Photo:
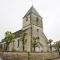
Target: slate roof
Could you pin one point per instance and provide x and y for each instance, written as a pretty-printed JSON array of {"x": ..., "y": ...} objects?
[
  {"x": 17, "y": 34},
  {"x": 32, "y": 10}
]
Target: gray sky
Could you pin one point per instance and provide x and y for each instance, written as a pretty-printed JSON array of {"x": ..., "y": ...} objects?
[{"x": 12, "y": 11}]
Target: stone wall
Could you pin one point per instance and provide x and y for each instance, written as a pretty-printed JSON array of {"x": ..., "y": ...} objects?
[
  {"x": 27, "y": 56},
  {"x": 44, "y": 55}
]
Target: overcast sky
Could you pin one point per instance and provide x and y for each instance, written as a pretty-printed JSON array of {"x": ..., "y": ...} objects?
[{"x": 12, "y": 11}]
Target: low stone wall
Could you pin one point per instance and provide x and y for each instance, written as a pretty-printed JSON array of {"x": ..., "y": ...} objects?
[
  {"x": 28, "y": 56},
  {"x": 45, "y": 55}
]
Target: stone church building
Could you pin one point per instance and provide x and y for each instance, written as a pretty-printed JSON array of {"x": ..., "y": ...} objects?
[{"x": 33, "y": 26}]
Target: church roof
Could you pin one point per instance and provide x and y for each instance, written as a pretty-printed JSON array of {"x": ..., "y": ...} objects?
[
  {"x": 17, "y": 34},
  {"x": 32, "y": 10}
]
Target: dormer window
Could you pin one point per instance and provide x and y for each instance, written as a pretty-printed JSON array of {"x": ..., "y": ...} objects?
[
  {"x": 36, "y": 18},
  {"x": 26, "y": 18}
]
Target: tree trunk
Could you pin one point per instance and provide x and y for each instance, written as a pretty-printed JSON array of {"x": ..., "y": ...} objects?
[
  {"x": 23, "y": 48},
  {"x": 23, "y": 45},
  {"x": 50, "y": 48},
  {"x": 6, "y": 47},
  {"x": 34, "y": 48}
]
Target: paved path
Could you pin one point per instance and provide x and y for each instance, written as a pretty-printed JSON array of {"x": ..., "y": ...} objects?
[
  {"x": 1, "y": 58},
  {"x": 57, "y": 59}
]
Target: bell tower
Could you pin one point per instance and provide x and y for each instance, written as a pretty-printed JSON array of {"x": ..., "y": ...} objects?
[
  {"x": 32, "y": 17},
  {"x": 33, "y": 22}
]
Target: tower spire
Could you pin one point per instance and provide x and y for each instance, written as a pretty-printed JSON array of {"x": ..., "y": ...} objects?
[{"x": 32, "y": 10}]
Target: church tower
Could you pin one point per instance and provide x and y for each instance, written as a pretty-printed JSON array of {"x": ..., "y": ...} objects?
[{"x": 32, "y": 22}]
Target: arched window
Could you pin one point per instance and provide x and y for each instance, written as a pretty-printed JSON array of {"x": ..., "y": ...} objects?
[
  {"x": 37, "y": 19},
  {"x": 18, "y": 43},
  {"x": 26, "y": 18}
]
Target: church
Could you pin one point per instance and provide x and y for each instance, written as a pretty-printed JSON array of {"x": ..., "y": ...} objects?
[{"x": 33, "y": 26}]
